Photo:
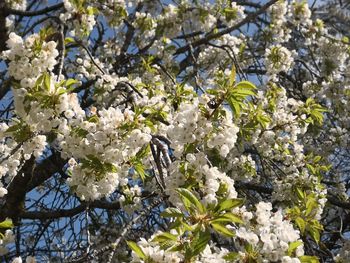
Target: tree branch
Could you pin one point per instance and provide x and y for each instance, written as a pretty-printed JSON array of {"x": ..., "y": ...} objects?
[
  {"x": 209, "y": 37},
  {"x": 10, "y": 11},
  {"x": 55, "y": 214}
]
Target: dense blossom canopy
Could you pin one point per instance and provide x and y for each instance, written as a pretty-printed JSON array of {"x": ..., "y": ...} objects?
[{"x": 174, "y": 131}]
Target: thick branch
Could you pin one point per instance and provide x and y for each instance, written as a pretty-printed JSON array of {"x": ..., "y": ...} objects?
[
  {"x": 3, "y": 29},
  {"x": 30, "y": 176},
  {"x": 15, "y": 197}
]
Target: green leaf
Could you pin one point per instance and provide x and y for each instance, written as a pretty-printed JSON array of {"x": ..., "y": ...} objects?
[
  {"x": 311, "y": 168},
  {"x": 68, "y": 40},
  {"x": 13, "y": 128},
  {"x": 79, "y": 132},
  {"x": 229, "y": 204},
  {"x": 232, "y": 76},
  {"x": 164, "y": 236},
  {"x": 20, "y": 131},
  {"x": 317, "y": 159},
  {"x": 293, "y": 246},
  {"x": 150, "y": 125},
  {"x": 176, "y": 248},
  {"x": 221, "y": 220},
  {"x": 61, "y": 91},
  {"x": 70, "y": 82},
  {"x": 212, "y": 91},
  {"x": 232, "y": 256},
  {"x": 308, "y": 259},
  {"x": 140, "y": 170},
  {"x": 190, "y": 199},
  {"x": 222, "y": 230},
  {"x": 234, "y": 105},
  {"x": 234, "y": 218},
  {"x": 7, "y": 224},
  {"x": 110, "y": 167},
  {"x": 230, "y": 13},
  {"x": 311, "y": 204},
  {"x": 227, "y": 218},
  {"x": 309, "y": 101},
  {"x": 301, "y": 224},
  {"x": 92, "y": 10},
  {"x": 200, "y": 243},
  {"x": 300, "y": 193},
  {"x": 165, "y": 240},
  {"x": 315, "y": 233},
  {"x": 245, "y": 85},
  {"x": 93, "y": 119},
  {"x": 39, "y": 80},
  {"x": 143, "y": 152},
  {"x": 47, "y": 81},
  {"x": 172, "y": 212},
  {"x": 243, "y": 93},
  {"x": 136, "y": 249}
]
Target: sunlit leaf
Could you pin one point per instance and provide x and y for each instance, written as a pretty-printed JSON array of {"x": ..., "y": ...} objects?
[
  {"x": 222, "y": 230},
  {"x": 189, "y": 198},
  {"x": 136, "y": 249}
]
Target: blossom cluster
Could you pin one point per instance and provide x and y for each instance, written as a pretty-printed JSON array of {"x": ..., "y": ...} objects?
[
  {"x": 103, "y": 148},
  {"x": 17, "y": 4},
  {"x": 29, "y": 58},
  {"x": 278, "y": 59},
  {"x": 148, "y": 122},
  {"x": 267, "y": 233},
  {"x": 272, "y": 235},
  {"x": 86, "y": 22}
]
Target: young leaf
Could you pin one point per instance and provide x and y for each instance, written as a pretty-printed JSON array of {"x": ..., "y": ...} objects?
[
  {"x": 308, "y": 259},
  {"x": 140, "y": 170},
  {"x": 165, "y": 240},
  {"x": 172, "y": 212},
  {"x": 164, "y": 236},
  {"x": 245, "y": 85},
  {"x": 70, "y": 82},
  {"x": 232, "y": 256},
  {"x": 136, "y": 249},
  {"x": 47, "y": 81},
  {"x": 232, "y": 76},
  {"x": 200, "y": 243},
  {"x": 222, "y": 230},
  {"x": 221, "y": 220},
  {"x": 293, "y": 246},
  {"x": 301, "y": 224},
  {"x": 234, "y": 105},
  {"x": 189, "y": 198},
  {"x": 300, "y": 193},
  {"x": 7, "y": 224},
  {"x": 311, "y": 204},
  {"x": 68, "y": 40},
  {"x": 228, "y": 205},
  {"x": 315, "y": 233},
  {"x": 234, "y": 218}
]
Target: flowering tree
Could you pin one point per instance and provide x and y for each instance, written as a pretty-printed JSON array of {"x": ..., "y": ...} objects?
[{"x": 174, "y": 131}]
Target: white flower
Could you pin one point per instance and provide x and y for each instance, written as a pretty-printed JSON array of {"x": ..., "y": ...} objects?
[
  {"x": 3, "y": 192},
  {"x": 17, "y": 260},
  {"x": 277, "y": 59},
  {"x": 30, "y": 259},
  {"x": 301, "y": 13}
]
